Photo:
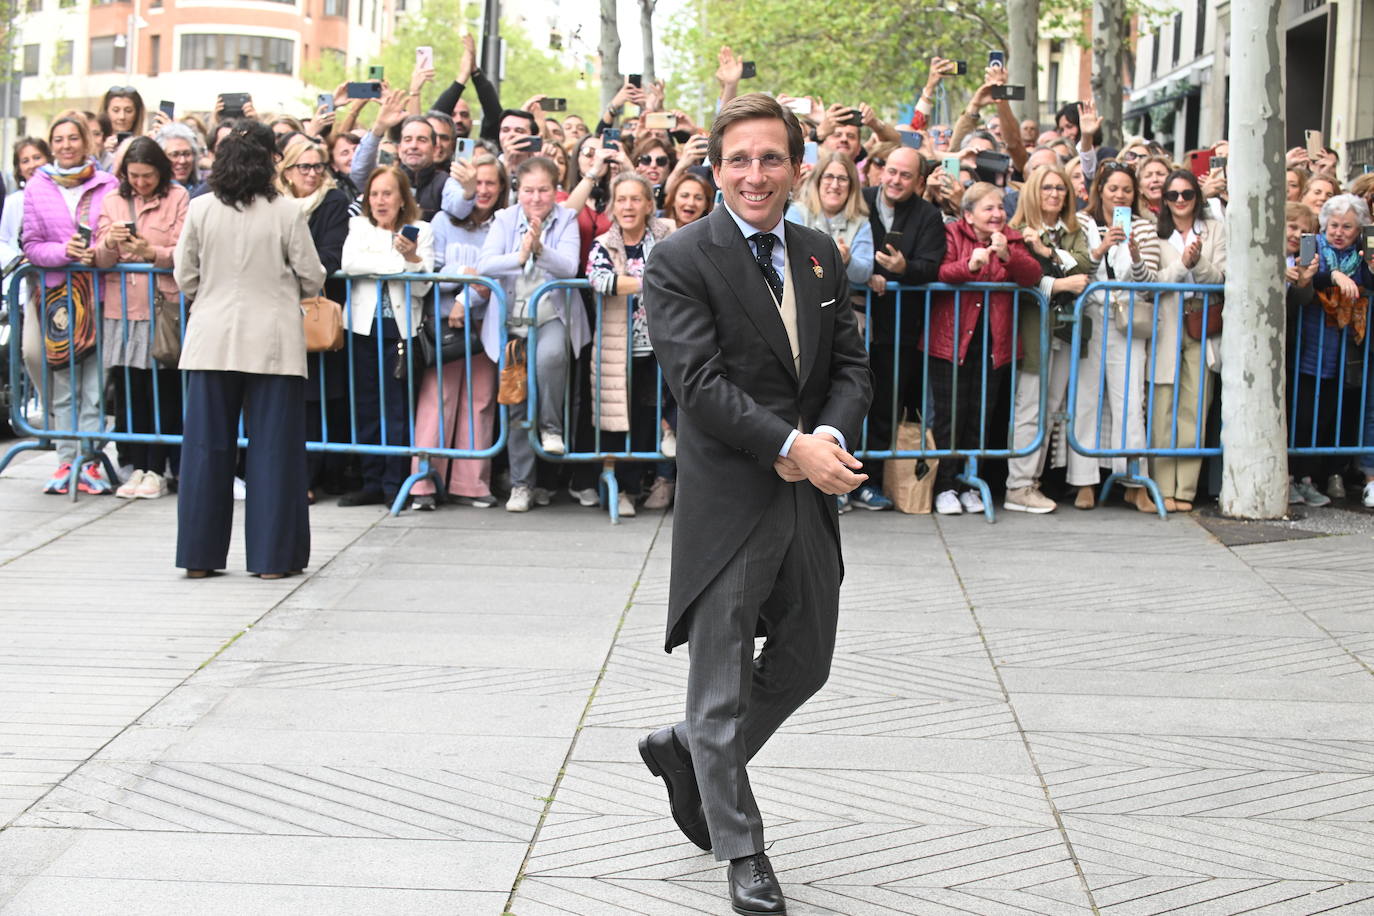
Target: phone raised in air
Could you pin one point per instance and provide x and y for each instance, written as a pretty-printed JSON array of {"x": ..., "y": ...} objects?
[
  {"x": 463, "y": 147},
  {"x": 424, "y": 58},
  {"x": 1316, "y": 144},
  {"x": 369, "y": 90},
  {"x": 167, "y": 108},
  {"x": 658, "y": 120},
  {"x": 1307, "y": 249},
  {"x": 997, "y": 59},
  {"x": 747, "y": 70},
  {"x": 376, "y": 73},
  {"x": 610, "y": 138},
  {"x": 1007, "y": 92},
  {"x": 324, "y": 100},
  {"x": 411, "y": 232},
  {"x": 810, "y": 152},
  {"x": 636, "y": 80},
  {"x": 1122, "y": 216}
]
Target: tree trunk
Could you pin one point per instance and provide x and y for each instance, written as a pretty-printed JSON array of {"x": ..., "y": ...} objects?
[
  {"x": 610, "y": 53},
  {"x": 646, "y": 30},
  {"x": 1108, "y": 37},
  {"x": 1023, "y": 46},
  {"x": 1254, "y": 436}
]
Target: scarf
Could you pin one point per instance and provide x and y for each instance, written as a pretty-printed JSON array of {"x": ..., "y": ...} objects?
[
  {"x": 1341, "y": 312},
  {"x": 310, "y": 203},
  {"x": 70, "y": 178},
  {"x": 837, "y": 227}
]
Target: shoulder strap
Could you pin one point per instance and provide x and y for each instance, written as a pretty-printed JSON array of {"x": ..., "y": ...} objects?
[{"x": 133, "y": 214}]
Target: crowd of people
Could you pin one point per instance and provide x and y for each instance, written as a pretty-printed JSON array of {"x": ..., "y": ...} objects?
[{"x": 522, "y": 196}]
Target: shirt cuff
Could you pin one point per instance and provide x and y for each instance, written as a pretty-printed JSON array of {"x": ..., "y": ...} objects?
[
  {"x": 787, "y": 446},
  {"x": 839, "y": 436}
]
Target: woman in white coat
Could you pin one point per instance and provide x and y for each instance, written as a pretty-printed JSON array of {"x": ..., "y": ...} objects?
[{"x": 388, "y": 238}]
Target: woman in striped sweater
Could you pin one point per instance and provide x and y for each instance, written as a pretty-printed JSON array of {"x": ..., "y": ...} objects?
[{"x": 1111, "y": 405}]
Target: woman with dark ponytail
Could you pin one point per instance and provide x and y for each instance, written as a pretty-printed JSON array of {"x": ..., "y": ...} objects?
[{"x": 244, "y": 262}]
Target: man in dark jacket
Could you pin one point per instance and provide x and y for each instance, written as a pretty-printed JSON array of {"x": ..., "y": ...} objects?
[
  {"x": 908, "y": 245},
  {"x": 414, "y": 153}
]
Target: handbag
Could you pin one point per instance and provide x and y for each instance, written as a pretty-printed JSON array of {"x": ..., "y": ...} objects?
[
  {"x": 1192, "y": 321},
  {"x": 514, "y": 388},
  {"x": 166, "y": 330},
  {"x": 68, "y": 312},
  {"x": 452, "y": 343},
  {"x": 324, "y": 328},
  {"x": 910, "y": 482},
  {"x": 1134, "y": 315}
]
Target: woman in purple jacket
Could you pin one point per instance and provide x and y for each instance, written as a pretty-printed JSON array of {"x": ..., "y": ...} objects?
[{"x": 60, "y": 199}]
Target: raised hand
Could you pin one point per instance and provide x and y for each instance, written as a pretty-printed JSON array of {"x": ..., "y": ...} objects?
[
  {"x": 730, "y": 68},
  {"x": 1088, "y": 119}
]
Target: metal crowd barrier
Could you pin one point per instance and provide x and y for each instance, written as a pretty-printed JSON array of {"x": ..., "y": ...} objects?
[
  {"x": 46, "y": 428},
  {"x": 1354, "y": 368}
]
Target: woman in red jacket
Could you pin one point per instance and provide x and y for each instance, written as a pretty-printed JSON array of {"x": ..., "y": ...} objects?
[{"x": 979, "y": 248}]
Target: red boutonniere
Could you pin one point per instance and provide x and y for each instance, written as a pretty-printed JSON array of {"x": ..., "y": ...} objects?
[{"x": 816, "y": 267}]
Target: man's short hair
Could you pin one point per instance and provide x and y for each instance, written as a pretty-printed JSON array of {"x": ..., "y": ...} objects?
[
  {"x": 441, "y": 118},
  {"x": 749, "y": 107},
  {"x": 523, "y": 115}
]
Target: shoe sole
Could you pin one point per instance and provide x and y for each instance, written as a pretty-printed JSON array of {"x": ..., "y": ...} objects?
[
  {"x": 743, "y": 912},
  {"x": 647, "y": 756},
  {"x": 1016, "y": 507},
  {"x": 959, "y": 511}
]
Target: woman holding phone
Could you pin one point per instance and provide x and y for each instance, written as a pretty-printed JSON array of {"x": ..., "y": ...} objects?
[
  {"x": 388, "y": 238},
  {"x": 62, "y": 202},
  {"x": 1192, "y": 250},
  {"x": 1124, "y": 248},
  {"x": 831, "y": 200}
]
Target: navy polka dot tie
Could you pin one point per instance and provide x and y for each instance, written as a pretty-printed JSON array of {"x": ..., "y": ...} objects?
[{"x": 763, "y": 247}]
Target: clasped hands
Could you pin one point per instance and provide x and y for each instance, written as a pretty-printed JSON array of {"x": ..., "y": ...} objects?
[{"x": 819, "y": 459}]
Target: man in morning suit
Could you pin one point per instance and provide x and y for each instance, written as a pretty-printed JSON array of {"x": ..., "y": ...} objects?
[{"x": 751, "y": 322}]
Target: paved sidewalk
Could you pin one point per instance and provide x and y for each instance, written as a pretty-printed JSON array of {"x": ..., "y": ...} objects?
[{"x": 1074, "y": 713}]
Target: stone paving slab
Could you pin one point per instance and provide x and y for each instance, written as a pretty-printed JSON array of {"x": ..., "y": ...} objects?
[{"x": 1076, "y": 713}]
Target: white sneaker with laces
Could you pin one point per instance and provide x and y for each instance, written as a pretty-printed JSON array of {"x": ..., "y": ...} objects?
[
  {"x": 626, "y": 506},
  {"x": 552, "y": 443},
  {"x": 947, "y": 503},
  {"x": 660, "y": 494},
  {"x": 151, "y": 486},
  {"x": 668, "y": 445},
  {"x": 520, "y": 499},
  {"x": 587, "y": 498},
  {"x": 129, "y": 488},
  {"x": 971, "y": 500},
  {"x": 1368, "y": 496}
]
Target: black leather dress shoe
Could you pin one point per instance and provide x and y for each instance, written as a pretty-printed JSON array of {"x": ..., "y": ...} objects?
[
  {"x": 668, "y": 760},
  {"x": 754, "y": 889}
]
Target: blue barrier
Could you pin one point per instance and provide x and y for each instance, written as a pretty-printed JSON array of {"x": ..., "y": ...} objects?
[{"x": 48, "y": 429}]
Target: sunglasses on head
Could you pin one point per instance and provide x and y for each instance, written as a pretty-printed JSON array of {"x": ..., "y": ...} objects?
[
  {"x": 1185, "y": 195},
  {"x": 659, "y": 161},
  {"x": 121, "y": 90}
]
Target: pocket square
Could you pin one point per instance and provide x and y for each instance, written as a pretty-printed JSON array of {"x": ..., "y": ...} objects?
[{"x": 827, "y": 302}]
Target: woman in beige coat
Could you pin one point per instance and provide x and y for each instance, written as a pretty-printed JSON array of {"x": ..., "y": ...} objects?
[
  {"x": 625, "y": 379},
  {"x": 244, "y": 262},
  {"x": 1192, "y": 250}
]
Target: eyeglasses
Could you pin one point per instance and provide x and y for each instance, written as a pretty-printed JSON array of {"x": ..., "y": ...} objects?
[
  {"x": 309, "y": 166},
  {"x": 182, "y": 154},
  {"x": 1186, "y": 195},
  {"x": 875, "y": 161},
  {"x": 837, "y": 179},
  {"x": 1132, "y": 156},
  {"x": 659, "y": 161},
  {"x": 770, "y": 162},
  {"x": 1053, "y": 189}
]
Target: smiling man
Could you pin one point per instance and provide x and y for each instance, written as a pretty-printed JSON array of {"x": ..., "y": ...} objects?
[{"x": 751, "y": 322}]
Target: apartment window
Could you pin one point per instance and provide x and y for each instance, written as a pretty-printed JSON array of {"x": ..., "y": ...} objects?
[
  {"x": 108, "y": 53},
  {"x": 400, "y": 6},
  {"x": 237, "y": 52},
  {"x": 1200, "y": 29},
  {"x": 336, "y": 8},
  {"x": 30, "y": 60},
  {"x": 1154, "y": 55},
  {"x": 1178, "y": 37},
  {"x": 62, "y": 60},
  {"x": 154, "y": 55}
]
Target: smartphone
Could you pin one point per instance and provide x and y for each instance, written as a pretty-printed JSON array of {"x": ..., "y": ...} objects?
[
  {"x": 122, "y": 136},
  {"x": 1307, "y": 249},
  {"x": 133, "y": 228},
  {"x": 997, "y": 59},
  {"x": 532, "y": 144},
  {"x": 1316, "y": 145},
  {"x": 637, "y": 80},
  {"x": 324, "y": 100},
  {"x": 1009, "y": 92},
  {"x": 1200, "y": 162},
  {"x": 960, "y": 67},
  {"x": 811, "y": 151},
  {"x": 1121, "y": 216},
  {"x": 1219, "y": 162},
  {"x": 800, "y": 107},
  {"x": 376, "y": 74},
  {"x": 554, "y": 104},
  {"x": 1367, "y": 242},
  {"x": 411, "y": 232},
  {"x": 463, "y": 147},
  {"x": 747, "y": 71},
  {"x": 233, "y": 104},
  {"x": 610, "y": 138},
  {"x": 952, "y": 166},
  {"x": 371, "y": 90},
  {"x": 167, "y": 108},
  {"x": 854, "y": 119},
  {"x": 658, "y": 120},
  {"x": 85, "y": 232},
  {"x": 912, "y": 139},
  {"x": 424, "y": 58},
  {"x": 893, "y": 239}
]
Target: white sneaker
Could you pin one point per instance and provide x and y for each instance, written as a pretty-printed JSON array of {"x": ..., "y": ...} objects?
[
  {"x": 947, "y": 503},
  {"x": 626, "y": 506},
  {"x": 240, "y": 489},
  {"x": 151, "y": 486},
  {"x": 587, "y": 498},
  {"x": 129, "y": 488},
  {"x": 541, "y": 496},
  {"x": 668, "y": 446},
  {"x": 971, "y": 500},
  {"x": 1028, "y": 499},
  {"x": 520, "y": 499},
  {"x": 552, "y": 443},
  {"x": 1311, "y": 495},
  {"x": 1335, "y": 487},
  {"x": 1368, "y": 496}
]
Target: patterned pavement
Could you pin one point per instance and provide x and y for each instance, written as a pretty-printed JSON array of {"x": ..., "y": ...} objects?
[{"x": 1076, "y": 713}]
